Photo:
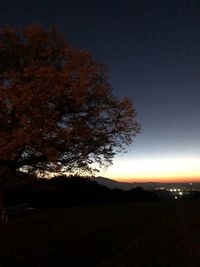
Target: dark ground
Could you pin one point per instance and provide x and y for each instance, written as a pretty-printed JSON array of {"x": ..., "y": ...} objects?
[{"x": 164, "y": 234}]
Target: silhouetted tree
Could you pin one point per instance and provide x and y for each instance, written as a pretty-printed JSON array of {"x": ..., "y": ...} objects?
[{"x": 57, "y": 111}]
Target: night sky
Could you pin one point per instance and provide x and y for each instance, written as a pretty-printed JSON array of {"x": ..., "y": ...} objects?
[{"x": 152, "y": 50}]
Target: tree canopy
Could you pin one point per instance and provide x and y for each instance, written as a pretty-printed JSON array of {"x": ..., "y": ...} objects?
[{"x": 57, "y": 110}]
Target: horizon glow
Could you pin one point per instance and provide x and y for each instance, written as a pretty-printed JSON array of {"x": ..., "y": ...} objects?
[{"x": 156, "y": 169}]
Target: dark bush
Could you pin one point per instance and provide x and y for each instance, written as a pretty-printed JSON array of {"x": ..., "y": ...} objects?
[{"x": 72, "y": 190}]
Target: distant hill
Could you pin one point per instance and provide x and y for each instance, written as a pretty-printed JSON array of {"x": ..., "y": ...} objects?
[
  {"x": 108, "y": 182},
  {"x": 146, "y": 185},
  {"x": 123, "y": 185}
]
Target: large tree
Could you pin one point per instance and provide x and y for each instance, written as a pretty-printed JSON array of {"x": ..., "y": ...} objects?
[{"x": 57, "y": 110}]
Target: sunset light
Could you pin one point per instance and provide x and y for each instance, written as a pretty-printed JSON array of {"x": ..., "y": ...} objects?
[{"x": 162, "y": 169}]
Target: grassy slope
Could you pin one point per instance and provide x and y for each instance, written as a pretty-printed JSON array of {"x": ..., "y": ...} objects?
[{"x": 138, "y": 234}]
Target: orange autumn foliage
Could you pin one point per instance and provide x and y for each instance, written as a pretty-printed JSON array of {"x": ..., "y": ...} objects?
[{"x": 57, "y": 110}]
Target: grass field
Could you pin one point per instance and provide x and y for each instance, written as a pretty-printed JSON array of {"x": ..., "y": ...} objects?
[{"x": 164, "y": 234}]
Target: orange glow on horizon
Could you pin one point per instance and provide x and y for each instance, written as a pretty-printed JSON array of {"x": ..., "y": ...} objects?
[{"x": 155, "y": 170}]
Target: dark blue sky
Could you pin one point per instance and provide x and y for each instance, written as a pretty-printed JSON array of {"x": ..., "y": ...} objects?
[{"x": 152, "y": 49}]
